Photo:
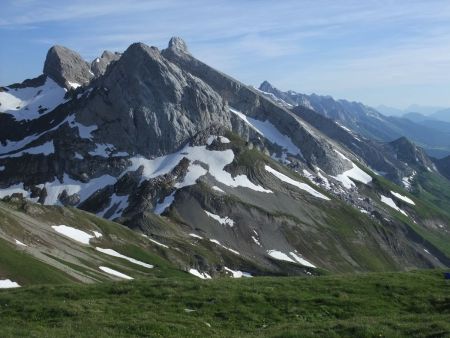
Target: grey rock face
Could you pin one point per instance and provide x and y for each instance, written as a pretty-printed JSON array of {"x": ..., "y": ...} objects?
[
  {"x": 409, "y": 153},
  {"x": 148, "y": 105},
  {"x": 99, "y": 65},
  {"x": 314, "y": 147},
  {"x": 64, "y": 65},
  {"x": 177, "y": 44}
]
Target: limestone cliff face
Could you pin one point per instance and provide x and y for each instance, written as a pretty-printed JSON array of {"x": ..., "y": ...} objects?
[
  {"x": 66, "y": 67},
  {"x": 148, "y": 105},
  {"x": 99, "y": 65}
]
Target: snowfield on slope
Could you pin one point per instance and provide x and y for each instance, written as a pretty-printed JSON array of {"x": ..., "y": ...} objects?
[
  {"x": 403, "y": 198},
  {"x": 114, "y": 272},
  {"x": 215, "y": 160},
  {"x": 284, "y": 257},
  {"x": 355, "y": 173},
  {"x": 237, "y": 273},
  {"x": 222, "y": 220},
  {"x": 300, "y": 185},
  {"x": 202, "y": 275},
  {"x": 73, "y": 233},
  {"x": 388, "y": 201},
  {"x": 270, "y": 132},
  {"x": 7, "y": 284},
  {"x": 25, "y": 103},
  {"x": 44, "y": 149},
  {"x": 114, "y": 253}
]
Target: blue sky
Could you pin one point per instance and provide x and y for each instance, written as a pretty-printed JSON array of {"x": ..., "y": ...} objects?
[{"x": 378, "y": 52}]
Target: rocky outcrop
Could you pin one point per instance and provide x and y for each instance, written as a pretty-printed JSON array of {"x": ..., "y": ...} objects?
[
  {"x": 315, "y": 149},
  {"x": 148, "y": 105},
  {"x": 66, "y": 67},
  {"x": 99, "y": 65},
  {"x": 408, "y": 152}
]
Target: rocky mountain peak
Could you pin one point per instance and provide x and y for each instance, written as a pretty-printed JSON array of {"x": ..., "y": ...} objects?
[
  {"x": 177, "y": 44},
  {"x": 151, "y": 105},
  {"x": 411, "y": 154},
  {"x": 266, "y": 86},
  {"x": 99, "y": 65},
  {"x": 66, "y": 67}
]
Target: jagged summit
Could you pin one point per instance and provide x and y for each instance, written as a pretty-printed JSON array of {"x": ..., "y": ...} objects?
[
  {"x": 177, "y": 44},
  {"x": 266, "y": 86},
  {"x": 99, "y": 65},
  {"x": 411, "y": 154},
  {"x": 66, "y": 67}
]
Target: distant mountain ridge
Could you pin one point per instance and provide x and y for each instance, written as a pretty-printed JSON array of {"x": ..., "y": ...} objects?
[{"x": 367, "y": 121}]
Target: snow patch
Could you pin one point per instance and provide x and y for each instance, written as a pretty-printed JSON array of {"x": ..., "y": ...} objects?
[
  {"x": 25, "y": 103},
  {"x": 114, "y": 272},
  {"x": 116, "y": 254},
  {"x": 403, "y": 198},
  {"x": 237, "y": 273},
  {"x": 388, "y": 201},
  {"x": 84, "y": 190},
  {"x": 270, "y": 132},
  {"x": 215, "y": 241},
  {"x": 97, "y": 234},
  {"x": 44, "y": 149},
  {"x": 280, "y": 256},
  {"x": 14, "y": 189},
  {"x": 215, "y": 160},
  {"x": 117, "y": 205},
  {"x": 216, "y": 188},
  {"x": 103, "y": 150},
  {"x": 407, "y": 180},
  {"x": 8, "y": 284},
  {"x": 222, "y": 220},
  {"x": 162, "y": 206},
  {"x": 256, "y": 240},
  {"x": 156, "y": 242},
  {"x": 202, "y": 275},
  {"x": 195, "y": 236},
  {"x": 73, "y": 233},
  {"x": 73, "y": 85},
  {"x": 20, "y": 243},
  {"x": 355, "y": 173},
  {"x": 301, "y": 260},
  {"x": 300, "y": 185},
  {"x": 85, "y": 132}
]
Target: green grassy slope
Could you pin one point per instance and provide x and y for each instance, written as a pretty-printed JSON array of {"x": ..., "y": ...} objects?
[
  {"x": 365, "y": 305},
  {"x": 51, "y": 258}
]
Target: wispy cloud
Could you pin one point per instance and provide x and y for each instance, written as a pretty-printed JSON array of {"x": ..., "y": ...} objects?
[{"x": 346, "y": 48}]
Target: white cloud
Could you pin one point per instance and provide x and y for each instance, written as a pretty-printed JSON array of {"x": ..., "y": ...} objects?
[{"x": 336, "y": 47}]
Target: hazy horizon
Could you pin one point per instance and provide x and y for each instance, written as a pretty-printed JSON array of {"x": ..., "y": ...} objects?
[{"x": 380, "y": 53}]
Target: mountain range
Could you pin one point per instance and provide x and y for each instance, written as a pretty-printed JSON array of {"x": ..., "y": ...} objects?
[
  {"x": 367, "y": 121},
  {"x": 211, "y": 176}
]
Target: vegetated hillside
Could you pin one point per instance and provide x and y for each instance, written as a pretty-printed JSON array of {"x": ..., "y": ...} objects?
[
  {"x": 43, "y": 244},
  {"x": 367, "y": 121},
  {"x": 223, "y": 177},
  {"x": 408, "y": 304}
]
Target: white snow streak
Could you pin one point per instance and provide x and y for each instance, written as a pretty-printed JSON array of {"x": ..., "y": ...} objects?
[
  {"x": 114, "y": 272},
  {"x": 72, "y": 233},
  {"x": 300, "y": 185},
  {"x": 116, "y": 254}
]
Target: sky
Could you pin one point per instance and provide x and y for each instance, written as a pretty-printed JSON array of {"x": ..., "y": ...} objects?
[{"x": 389, "y": 52}]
